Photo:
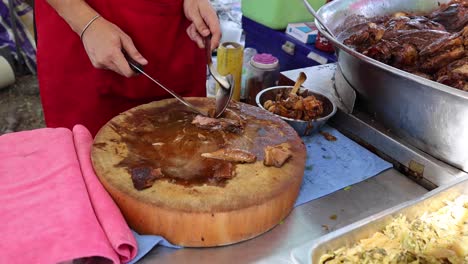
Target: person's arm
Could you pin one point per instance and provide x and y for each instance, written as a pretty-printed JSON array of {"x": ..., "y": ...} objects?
[{"x": 102, "y": 40}]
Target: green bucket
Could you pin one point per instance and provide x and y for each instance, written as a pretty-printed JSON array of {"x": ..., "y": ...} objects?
[{"x": 276, "y": 14}]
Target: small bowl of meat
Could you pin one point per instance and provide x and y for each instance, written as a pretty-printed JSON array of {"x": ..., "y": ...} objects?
[{"x": 306, "y": 111}]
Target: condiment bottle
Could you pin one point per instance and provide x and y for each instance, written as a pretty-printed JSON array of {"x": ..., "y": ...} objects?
[
  {"x": 229, "y": 61},
  {"x": 262, "y": 72},
  {"x": 248, "y": 54}
]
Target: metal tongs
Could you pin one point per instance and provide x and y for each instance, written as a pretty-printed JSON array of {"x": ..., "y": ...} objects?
[
  {"x": 226, "y": 83},
  {"x": 223, "y": 95},
  {"x": 135, "y": 66},
  {"x": 312, "y": 11},
  {"x": 346, "y": 96}
]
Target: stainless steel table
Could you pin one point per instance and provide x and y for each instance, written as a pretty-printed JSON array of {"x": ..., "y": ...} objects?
[
  {"x": 318, "y": 217},
  {"x": 305, "y": 223}
]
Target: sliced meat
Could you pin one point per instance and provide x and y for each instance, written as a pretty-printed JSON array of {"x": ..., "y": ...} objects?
[
  {"x": 369, "y": 35},
  {"x": 464, "y": 34},
  {"x": 223, "y": 124},
  {"x": 420, "y": 22},
  {"x": 205, "y": 122},
  {"x": 420, "y": 38},
  {"x": 434, "y": 63},
  {"x": 144, "y": 177},
  {"x": 405, "y": 55},
  {"x": 224, "y": 170},
  {"x": 405, "y": 22},
  {"x": 232, "y": 155},
  {"x": 277, "y": 155},
  {"x": 422, "y": 44},
  {"x": 234, "y": 116},
  {"x": 381, "y": 51},
  {"x": 455, "y": 74},
  {"x": 442, "y": 45},
  {"x": 454, "y": 17}
]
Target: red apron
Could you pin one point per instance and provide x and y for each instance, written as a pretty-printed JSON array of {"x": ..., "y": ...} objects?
[{"x": 74, "y": 92}]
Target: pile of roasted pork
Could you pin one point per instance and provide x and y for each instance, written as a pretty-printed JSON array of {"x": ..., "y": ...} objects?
[{"x": 434, "y": 45}]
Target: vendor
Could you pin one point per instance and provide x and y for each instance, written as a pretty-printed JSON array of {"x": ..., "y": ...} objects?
[{"x": 83, "y": 75}]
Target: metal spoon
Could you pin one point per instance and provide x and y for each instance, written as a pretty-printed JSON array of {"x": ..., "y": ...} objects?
[
  {"x": 135, "y": 66},
  {"x": 223, "y": 82},
  {"x": 226, "y": 83}
]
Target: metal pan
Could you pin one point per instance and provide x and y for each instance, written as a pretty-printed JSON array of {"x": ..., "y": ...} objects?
[
  {"x": 428, "y": 115},
  {"x": 351, "y": 234}
]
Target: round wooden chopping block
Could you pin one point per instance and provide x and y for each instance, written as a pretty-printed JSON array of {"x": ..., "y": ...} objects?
[{"x": 256, "y": 199}]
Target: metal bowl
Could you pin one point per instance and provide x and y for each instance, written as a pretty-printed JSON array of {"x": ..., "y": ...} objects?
[
  {"x": 429, "y": 115},
  {"x": 303, "y": 128}
]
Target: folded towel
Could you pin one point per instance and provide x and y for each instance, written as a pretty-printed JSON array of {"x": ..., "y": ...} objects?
[{"x": 53, "y": 208}]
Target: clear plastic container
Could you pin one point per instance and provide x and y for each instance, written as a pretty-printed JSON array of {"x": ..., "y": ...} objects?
[
  {"x": 262, "y": 72},
  {"x": 276, "y": 14}
]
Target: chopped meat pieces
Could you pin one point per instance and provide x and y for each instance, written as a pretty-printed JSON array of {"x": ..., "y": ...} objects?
[
  {"x": 295, "y": 106},
  {"x": 453, "y": 16},
  {"x": 406, "y": 55},
  {"x": 232, "y": 155},
  {"x": 455, "y": 74},
  {"x": 224, "y": 170},
  {"x": 427, "y": 45},
  {"x": 328, "y": 136},
  {"x": 144, "y": 177},
  {"x": 442, "y": 53},
  {"x": 277, "y": 155},
  {"x": 313, "y": 108},
  {"x": 223, "y": 124}
]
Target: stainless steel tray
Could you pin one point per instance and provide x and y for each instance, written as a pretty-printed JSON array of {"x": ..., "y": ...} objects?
[
  {"x": 428, "y": 115},
  {"x": 351, "y": 234}
]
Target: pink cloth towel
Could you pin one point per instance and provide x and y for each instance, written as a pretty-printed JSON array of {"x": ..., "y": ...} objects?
[{"x": 52, "y": 206}]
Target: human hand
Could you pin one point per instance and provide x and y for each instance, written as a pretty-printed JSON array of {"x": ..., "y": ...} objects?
[
  {"x": 204, "y": 22},
  {"x": 104, "y": 43}
]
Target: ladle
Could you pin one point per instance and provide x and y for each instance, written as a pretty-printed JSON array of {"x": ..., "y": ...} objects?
[
  {"x": 312, "y": 11},
  {"x": 226, "y": 83},
  {"x": 135, "y": 66}
]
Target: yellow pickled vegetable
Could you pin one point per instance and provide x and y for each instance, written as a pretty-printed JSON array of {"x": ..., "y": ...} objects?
[{"x": 438, "y": 237}]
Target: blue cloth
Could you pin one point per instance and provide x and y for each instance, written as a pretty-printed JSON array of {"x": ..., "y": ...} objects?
[
  {"x": 148, "y": 242},
  {"x": 330, "y": 166},
  {"x": 333, "y": 165}
]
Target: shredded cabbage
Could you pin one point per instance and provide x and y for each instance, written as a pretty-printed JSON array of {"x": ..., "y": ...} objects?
[{"x": 438, "y": 237}]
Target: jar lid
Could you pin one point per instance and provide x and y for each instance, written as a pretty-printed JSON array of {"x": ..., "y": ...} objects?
[{"x": 264, "y": 61}]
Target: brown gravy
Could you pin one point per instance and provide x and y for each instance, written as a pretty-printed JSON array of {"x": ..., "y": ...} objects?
[{"x": 165, "y": 138}]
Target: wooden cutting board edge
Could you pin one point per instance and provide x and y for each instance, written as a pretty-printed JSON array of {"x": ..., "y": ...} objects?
[{"x": 206, "y": 229}]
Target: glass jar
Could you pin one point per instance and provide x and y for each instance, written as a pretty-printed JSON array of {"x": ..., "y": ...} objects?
[{"x": 262, "y": 72}]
